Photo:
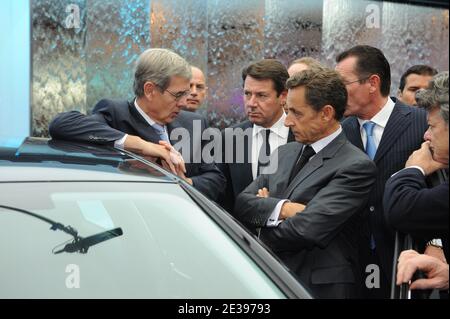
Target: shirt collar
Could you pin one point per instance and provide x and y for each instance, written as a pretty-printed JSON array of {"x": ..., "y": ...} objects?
[
  {"x": 322, "y": 143},
  {"x": 147, "y": 118},
  {"x": 278, "y": 128},
  {"x": 382, "y": 117}
]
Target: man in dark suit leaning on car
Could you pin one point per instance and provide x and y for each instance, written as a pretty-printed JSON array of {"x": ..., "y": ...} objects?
[
  {"x": 152, "y": 123},
  {"x": 309, "y": 209}
]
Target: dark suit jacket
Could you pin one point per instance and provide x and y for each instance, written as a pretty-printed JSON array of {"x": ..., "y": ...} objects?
[
  {"x": 111, "y": 119},
  {"x": 238, "y": 173},
  {"x": 402, "y": 135},
  {"x": 414, "y": 208},
  {"x": 318, "y": 244}
]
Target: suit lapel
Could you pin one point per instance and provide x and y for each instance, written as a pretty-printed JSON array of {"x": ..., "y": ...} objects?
[
  {"x": 143, "y": 129},
  {"x": 247, "y": 172},
  {"x": 241, "y": 171},
  {"x": 314, "y": 164},
  {"x": 284, "y": 170},
  {"x": 397, "y": 124},
  {"x": 307, "y": 170},
  {"x": 170, "y": 127},
  {"x": 353, "y": 133}
]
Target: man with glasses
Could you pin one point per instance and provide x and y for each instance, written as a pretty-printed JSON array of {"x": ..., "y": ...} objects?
[
  {"x": 388, "y": 131},
  {"x": 144, "y": 126}
]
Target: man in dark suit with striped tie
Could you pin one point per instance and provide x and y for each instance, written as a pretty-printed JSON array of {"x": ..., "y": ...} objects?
[
  {"x": 161, "y": 86},
  {"x": 388, "y": 131}
]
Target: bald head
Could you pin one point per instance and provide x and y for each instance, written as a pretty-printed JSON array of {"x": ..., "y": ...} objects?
[
  {"x": 198, "y": 90},
  {"x": 305, "y": 63}
]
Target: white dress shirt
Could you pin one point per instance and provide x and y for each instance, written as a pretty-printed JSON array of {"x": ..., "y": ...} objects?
[
  {"x": 380, "y": 120},
  {"x": 317, "y": 147},
  {"x": 121, "y": 142},
  {"x": 278, "y": 136}
]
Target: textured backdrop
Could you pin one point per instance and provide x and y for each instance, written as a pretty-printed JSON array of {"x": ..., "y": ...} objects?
[{"x": 84, "y": 50}]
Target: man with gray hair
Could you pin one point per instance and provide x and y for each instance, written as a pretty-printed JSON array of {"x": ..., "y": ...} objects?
[
  {"x": 152, "y": 122},
  {"x": 413, "y": 207}
]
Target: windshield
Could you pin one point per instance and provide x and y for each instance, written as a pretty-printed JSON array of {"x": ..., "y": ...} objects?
[{"x": 167, "y": 248}]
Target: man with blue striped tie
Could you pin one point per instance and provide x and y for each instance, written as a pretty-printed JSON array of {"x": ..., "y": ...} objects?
[{"x": 388, "y": 131}]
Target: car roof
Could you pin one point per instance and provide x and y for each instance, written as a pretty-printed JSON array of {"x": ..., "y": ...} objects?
[{"x": 41, "y": 159}]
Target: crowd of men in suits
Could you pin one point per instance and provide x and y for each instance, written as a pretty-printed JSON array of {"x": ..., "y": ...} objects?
[{"x": 307, "y": 171}]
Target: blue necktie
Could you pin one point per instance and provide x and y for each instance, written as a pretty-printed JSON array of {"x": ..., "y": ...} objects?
[
  {"x": 371, "y": 148},
  {"x": 161, "y": 132}
]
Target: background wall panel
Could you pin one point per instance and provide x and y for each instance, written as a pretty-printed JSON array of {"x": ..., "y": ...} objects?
[
  {"x": 117, "y": 32},
  {"x": 59, "y": 66},
  {"x": 15, "y": 68},
  {"x": 74, "y": 67}
]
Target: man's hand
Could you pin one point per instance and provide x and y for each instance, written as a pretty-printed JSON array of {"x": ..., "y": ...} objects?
[
  {"x": 263, "y": 192},
  {"x": 436, "y": 271},
  {"x": 180, "y": 174},
  {"x": 290, "y": 209},
  {"x": 175, "y": 157},
  {"x": 435, "y": 252},
  {"x": 424, "y": 159},
  {"x": 164, "y": 151}
]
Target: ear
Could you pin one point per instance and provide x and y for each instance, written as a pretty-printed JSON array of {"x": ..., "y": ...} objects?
[
  {"x": 399, "y": 94},
  {"x": 149, "y": 89},
  {"x": 283, "y": 97},
  {"x": 327, "y": 113},
  {"x": 375, "y": 83}
]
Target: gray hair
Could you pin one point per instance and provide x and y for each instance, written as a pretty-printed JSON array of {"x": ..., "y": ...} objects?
[
  {"x": 436, "y": 96},
  {"x": 158, "y": 66}
]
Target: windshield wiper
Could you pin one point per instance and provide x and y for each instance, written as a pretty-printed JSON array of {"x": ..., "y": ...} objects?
[
  {"x": 79, "y": 244},
  {"x": 82, "y": 245}
]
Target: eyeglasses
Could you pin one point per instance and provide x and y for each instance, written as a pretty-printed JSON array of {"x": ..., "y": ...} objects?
[
  {"x": 359, "y": 80},
  {"x": 179, "y": 95}
]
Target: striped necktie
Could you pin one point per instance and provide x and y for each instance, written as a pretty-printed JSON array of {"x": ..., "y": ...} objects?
[
  {"x": 161, "y": 132},
  {"x": 371, "y": 148}
]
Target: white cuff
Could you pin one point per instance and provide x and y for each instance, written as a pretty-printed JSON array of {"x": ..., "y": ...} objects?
[
  {"x": 273, "y": 220},
  {"x": 414, "y": 166},
  {"x": 120, "y": 143}
]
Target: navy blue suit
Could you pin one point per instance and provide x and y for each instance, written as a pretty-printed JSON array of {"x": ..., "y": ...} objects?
[
  {"x": 402, "y": 135},
  {"x": 111, "y": 119},
  {"x": 414, "y": 208}
]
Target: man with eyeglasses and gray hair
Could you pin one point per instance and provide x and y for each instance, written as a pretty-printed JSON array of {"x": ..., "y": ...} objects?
[
  {"x": 144, "y": 125},
  {"x": 415, "y": 208}
]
